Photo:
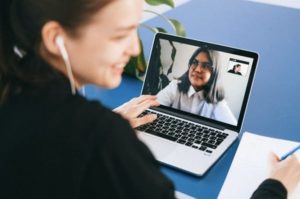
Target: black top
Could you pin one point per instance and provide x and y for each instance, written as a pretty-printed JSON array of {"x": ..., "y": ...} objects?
[
  {"x": 232, "y": 71},
  {"x": 56, "y": 145},
  {"x": 270, "y": 189}
]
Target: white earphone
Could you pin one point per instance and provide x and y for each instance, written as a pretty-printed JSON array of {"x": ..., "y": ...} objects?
[{"x": 61, "y": 46}]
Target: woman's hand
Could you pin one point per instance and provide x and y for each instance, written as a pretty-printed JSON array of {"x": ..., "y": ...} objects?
[
  {"x": 132, "y": 109},
  {"x": 286, "y": 171}
]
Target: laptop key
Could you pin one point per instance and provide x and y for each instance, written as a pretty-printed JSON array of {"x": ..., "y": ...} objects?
[
  {"x": 213, "y": 138},
  {"x": 202, "y": 148},
  {"x": 184, "y": 137},
  {"x": 198, "y": 142},
  {"x": 211, "y": 142},
  {"x": 181, "y": 141},
  {"x": 209, "y": 145},
  {"x": 171, "y": 134},
  {"x": 208, "y": 151},
  {"x": 162, "y": 135},
  {"x": 189, "y": 144},
  {"x": 191, "y": 134}
]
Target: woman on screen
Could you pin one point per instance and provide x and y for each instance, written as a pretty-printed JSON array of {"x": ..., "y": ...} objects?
[
  {"x": 236, "y": 69},
  {"x": 198, "y": 91}
]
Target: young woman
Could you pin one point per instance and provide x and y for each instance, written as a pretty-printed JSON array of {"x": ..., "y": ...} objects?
[
  {"x": 198, "y": 90},
  {"x": 236, "y": 69},
  {"x": 53, "y": 142}
]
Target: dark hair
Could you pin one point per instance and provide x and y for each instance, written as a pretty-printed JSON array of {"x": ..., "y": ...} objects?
[
  {"x": 236, "y": 65},
  {"x": 21, "y": 22},
  {"x": 213, "y": 92}
]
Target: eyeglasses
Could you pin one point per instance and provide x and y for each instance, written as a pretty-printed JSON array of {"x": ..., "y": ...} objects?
[{"x": 204, "y": 65}]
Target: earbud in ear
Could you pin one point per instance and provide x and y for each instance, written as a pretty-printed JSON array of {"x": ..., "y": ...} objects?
[
  {"x": 61, "y": 47},
  {"x": 59, "y": 40}
]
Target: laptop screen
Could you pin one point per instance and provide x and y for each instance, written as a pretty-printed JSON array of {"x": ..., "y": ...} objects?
[{"x": 201, "y": 79}]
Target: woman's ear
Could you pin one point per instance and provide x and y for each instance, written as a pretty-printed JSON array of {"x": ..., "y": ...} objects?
[{"x": 50, "y": 32}]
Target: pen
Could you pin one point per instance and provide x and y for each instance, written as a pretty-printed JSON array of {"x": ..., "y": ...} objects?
[{"x": 290, "y": 153}]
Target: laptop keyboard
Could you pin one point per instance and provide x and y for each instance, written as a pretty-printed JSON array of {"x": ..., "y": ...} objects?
[{"x": 186, "y": 133}]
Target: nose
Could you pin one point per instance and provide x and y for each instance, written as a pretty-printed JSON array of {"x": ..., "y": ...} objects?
[{"x": 135, "y": 47}]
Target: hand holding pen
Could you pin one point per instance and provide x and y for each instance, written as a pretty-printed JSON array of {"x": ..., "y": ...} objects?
[{"x": 286, "y": 169}]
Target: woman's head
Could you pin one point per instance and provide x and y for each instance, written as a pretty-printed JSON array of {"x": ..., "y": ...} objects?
[
  {"x": 237, "y": 68},
  {"x": 200, "y": 68},
  {"x": 203, "y": 75},
  {"x": 99, "y": 36}
]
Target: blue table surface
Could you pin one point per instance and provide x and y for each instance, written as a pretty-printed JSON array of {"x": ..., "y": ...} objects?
[{"x": 273, "y": 32}]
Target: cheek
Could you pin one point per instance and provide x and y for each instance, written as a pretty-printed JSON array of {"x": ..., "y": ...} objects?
[
  {"x": 95, "y": 63},
  {"x": 111, "y": 78},
  {"x": 110, "y": 55},
  {"x": 207, "y": 76}
]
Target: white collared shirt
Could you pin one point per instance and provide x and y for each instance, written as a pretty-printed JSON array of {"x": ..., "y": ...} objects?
[{"x": 194, "y": 102}]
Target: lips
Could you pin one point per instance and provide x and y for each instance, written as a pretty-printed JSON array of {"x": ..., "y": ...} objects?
[
  {"x": 118, "y": 68},
  {"x": 120, "y": 65}
]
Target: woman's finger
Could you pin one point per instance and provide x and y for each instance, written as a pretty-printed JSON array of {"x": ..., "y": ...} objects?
[
  {"x": 143, "y": 120},
  {"x": 142, "y": 107},
  {"x": 142, "y": 98}
]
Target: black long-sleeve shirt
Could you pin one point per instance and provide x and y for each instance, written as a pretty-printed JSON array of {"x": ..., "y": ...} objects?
[
  {"x": 56, "y": 145},
  {"x": 270, "y": 189}
]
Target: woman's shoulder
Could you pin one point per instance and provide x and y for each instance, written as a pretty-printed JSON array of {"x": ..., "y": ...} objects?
[
  {"x": 91, "y": 119},
  {"x": 94, "y": 112},
  {"x": 173, "y": 85},
  {"x": 174, "y": 82}
]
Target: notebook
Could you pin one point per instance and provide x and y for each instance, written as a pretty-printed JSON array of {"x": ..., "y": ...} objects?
[
  {"x": 250, "y": 165},
  {"x": 203, "y": 89}
]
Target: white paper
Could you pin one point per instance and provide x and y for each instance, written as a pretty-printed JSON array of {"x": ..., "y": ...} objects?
[
  {"x": 180, "y": 195},
  {"x": 250, "y": 165}
]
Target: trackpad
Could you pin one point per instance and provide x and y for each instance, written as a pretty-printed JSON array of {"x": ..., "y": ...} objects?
[{"x": 161, "y": 148}]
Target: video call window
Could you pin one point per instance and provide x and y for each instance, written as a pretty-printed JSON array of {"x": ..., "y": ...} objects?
[{"x": 237, "y": 67}]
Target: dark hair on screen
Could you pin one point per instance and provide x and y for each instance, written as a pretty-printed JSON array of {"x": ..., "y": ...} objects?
[
  {"x": 236, "y": 66},
  {"x": 21, "y": 22},
  {"x": 213, "y": 92}
]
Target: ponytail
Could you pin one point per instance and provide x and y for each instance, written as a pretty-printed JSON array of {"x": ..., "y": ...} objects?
[
  {"x": 7, "y": 55},
  {"x": 20, "y": 63}
]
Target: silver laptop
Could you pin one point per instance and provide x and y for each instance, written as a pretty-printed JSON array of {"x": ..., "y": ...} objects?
[{"x": 203, "y": 89}]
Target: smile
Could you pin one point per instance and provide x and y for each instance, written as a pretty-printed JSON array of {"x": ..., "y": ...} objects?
[
  {"x": 120, "y": 66},
  {"x": 196, "y": 76}
]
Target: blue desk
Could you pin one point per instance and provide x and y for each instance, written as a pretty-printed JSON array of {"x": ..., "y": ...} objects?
[{"x": 273, "y": 108}]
